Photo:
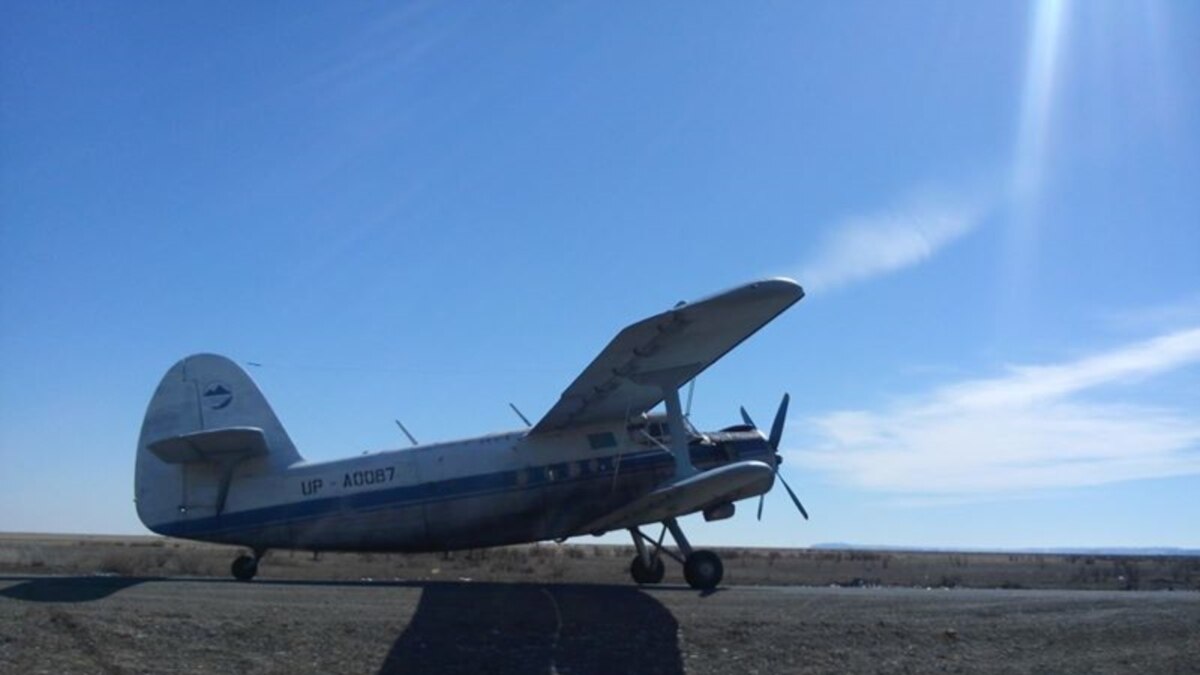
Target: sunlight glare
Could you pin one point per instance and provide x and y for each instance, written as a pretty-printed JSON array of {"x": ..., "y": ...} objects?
[{"x": 1048, "y": 27}]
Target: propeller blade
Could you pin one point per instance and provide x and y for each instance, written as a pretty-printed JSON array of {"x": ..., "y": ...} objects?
[
  {"x": 746, "y": 418},
  {"x": 792, "y": 495},
  {"x": 687, "y": 410},
  {"x": 777, "y": 426},
  {"x": 773, "y": 441}
]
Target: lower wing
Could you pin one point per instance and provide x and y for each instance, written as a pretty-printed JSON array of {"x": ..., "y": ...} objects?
[{"x": 723, "y": 484}]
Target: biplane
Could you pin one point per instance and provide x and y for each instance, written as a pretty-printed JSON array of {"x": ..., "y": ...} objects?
[{"x": 215, "y": 464}]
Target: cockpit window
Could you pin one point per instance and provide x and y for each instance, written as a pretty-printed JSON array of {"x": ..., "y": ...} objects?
[
  {"x": 659, "y": 430},
  {"x": 602, "y": 440}
]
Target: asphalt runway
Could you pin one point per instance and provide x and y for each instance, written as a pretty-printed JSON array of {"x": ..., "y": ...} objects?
[{"x": 120, "y": 625}]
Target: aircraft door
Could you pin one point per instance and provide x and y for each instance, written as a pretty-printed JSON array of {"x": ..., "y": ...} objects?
[
  {"x": 484, "y": 495},
  {"x": 397, "y": 481},
  {"x": 407, "y": 523}
]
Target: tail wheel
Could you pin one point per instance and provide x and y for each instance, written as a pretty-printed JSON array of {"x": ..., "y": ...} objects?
[
  {"x": 647, "y": 574},
  {"x": 244, "y": 568},
  {"x": 703, "y": 570}
]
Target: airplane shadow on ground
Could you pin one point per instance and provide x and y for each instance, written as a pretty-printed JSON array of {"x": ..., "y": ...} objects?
[
  {"x": 68, "y": 589},
  {"x": 472, "y": 627},
  {"x": 534, "y": 628}
]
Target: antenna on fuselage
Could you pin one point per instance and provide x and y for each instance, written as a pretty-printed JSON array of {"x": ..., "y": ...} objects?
[
  {"x": 410, "y": 436},
  {"x": 519, "y": 414}
]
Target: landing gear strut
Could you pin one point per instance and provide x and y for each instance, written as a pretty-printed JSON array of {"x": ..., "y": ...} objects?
[
  {"x": 245, "y": 567},
  {"x": 702, "y": 569}
]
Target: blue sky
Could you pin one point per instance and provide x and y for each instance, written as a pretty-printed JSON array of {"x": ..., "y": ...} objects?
[{"x": 425, "y": 211}]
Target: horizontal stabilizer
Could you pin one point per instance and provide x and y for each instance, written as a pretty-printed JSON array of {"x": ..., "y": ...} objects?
[
  {"x": 217, "y": 446},
  {"x": 709, "y": 488}
]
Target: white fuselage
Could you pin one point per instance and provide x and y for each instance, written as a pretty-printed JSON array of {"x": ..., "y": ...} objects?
[{"x": 493, "y": 490}]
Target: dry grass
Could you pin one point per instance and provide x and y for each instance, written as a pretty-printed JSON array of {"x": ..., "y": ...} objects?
[{"x": 161, "y": 557}]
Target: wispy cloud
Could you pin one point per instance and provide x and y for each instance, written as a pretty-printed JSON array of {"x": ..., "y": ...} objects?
[
  {"x": 861, "y": 247},
  {"x": 1184, "y": 311},
  {"x": 1030, "y": 429}
]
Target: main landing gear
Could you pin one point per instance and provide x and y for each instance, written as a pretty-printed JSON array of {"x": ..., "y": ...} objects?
[
  {"x": 244, "y": 567},
  {"x": 702, "y": 569}
]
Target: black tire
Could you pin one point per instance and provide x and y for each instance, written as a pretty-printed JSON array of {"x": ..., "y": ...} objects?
[
  {"x": 244, "y": 568},
  {"x": 644, "y": 574},
  {"x": 703, "y": 570}
]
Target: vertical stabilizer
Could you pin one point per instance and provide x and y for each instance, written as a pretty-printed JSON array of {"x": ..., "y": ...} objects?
[{"x": 204, "y": 392}]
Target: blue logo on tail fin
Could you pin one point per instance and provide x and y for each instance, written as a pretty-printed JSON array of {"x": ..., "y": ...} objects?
[{"x": 217, "y": 395}]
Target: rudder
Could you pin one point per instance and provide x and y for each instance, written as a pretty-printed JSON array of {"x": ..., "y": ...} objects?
[{"x": 202, "y": 393}]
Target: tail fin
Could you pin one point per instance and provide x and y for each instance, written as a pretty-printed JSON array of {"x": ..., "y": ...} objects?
[{"x": 203, "y": 393}]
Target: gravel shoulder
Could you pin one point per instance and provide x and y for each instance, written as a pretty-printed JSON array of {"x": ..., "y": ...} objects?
[{"x": 103, "y": 624}]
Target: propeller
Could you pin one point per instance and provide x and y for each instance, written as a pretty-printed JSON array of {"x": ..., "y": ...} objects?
[{"x": 773, "y": 443}]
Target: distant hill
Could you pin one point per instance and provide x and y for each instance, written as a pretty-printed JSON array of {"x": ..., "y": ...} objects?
[{"x": 1065, "y": 550}]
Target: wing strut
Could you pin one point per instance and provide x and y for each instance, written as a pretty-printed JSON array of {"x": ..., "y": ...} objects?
[
  {"x": 668, "y": 380},
  {"x": 679, "y": 438}
]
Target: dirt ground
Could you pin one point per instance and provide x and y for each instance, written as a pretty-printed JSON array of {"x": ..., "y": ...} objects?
[
  {"x": 147, "y": 604},
  {"x": 132, "y": 625}
]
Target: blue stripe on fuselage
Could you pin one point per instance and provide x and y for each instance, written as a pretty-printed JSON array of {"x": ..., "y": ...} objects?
[{"x": 454, "y": 488}]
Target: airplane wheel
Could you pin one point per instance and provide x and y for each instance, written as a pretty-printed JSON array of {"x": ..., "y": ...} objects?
[
  {"x": 644, "y": 574},
  {"x": 703, "y": 570},
  {"x": 244, "y": 568}
]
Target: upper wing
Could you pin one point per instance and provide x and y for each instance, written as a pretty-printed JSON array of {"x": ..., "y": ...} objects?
[{"x": 667, "y": 349}]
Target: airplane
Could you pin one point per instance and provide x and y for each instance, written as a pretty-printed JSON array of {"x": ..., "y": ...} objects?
[{"x": 215, "y": 464}]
